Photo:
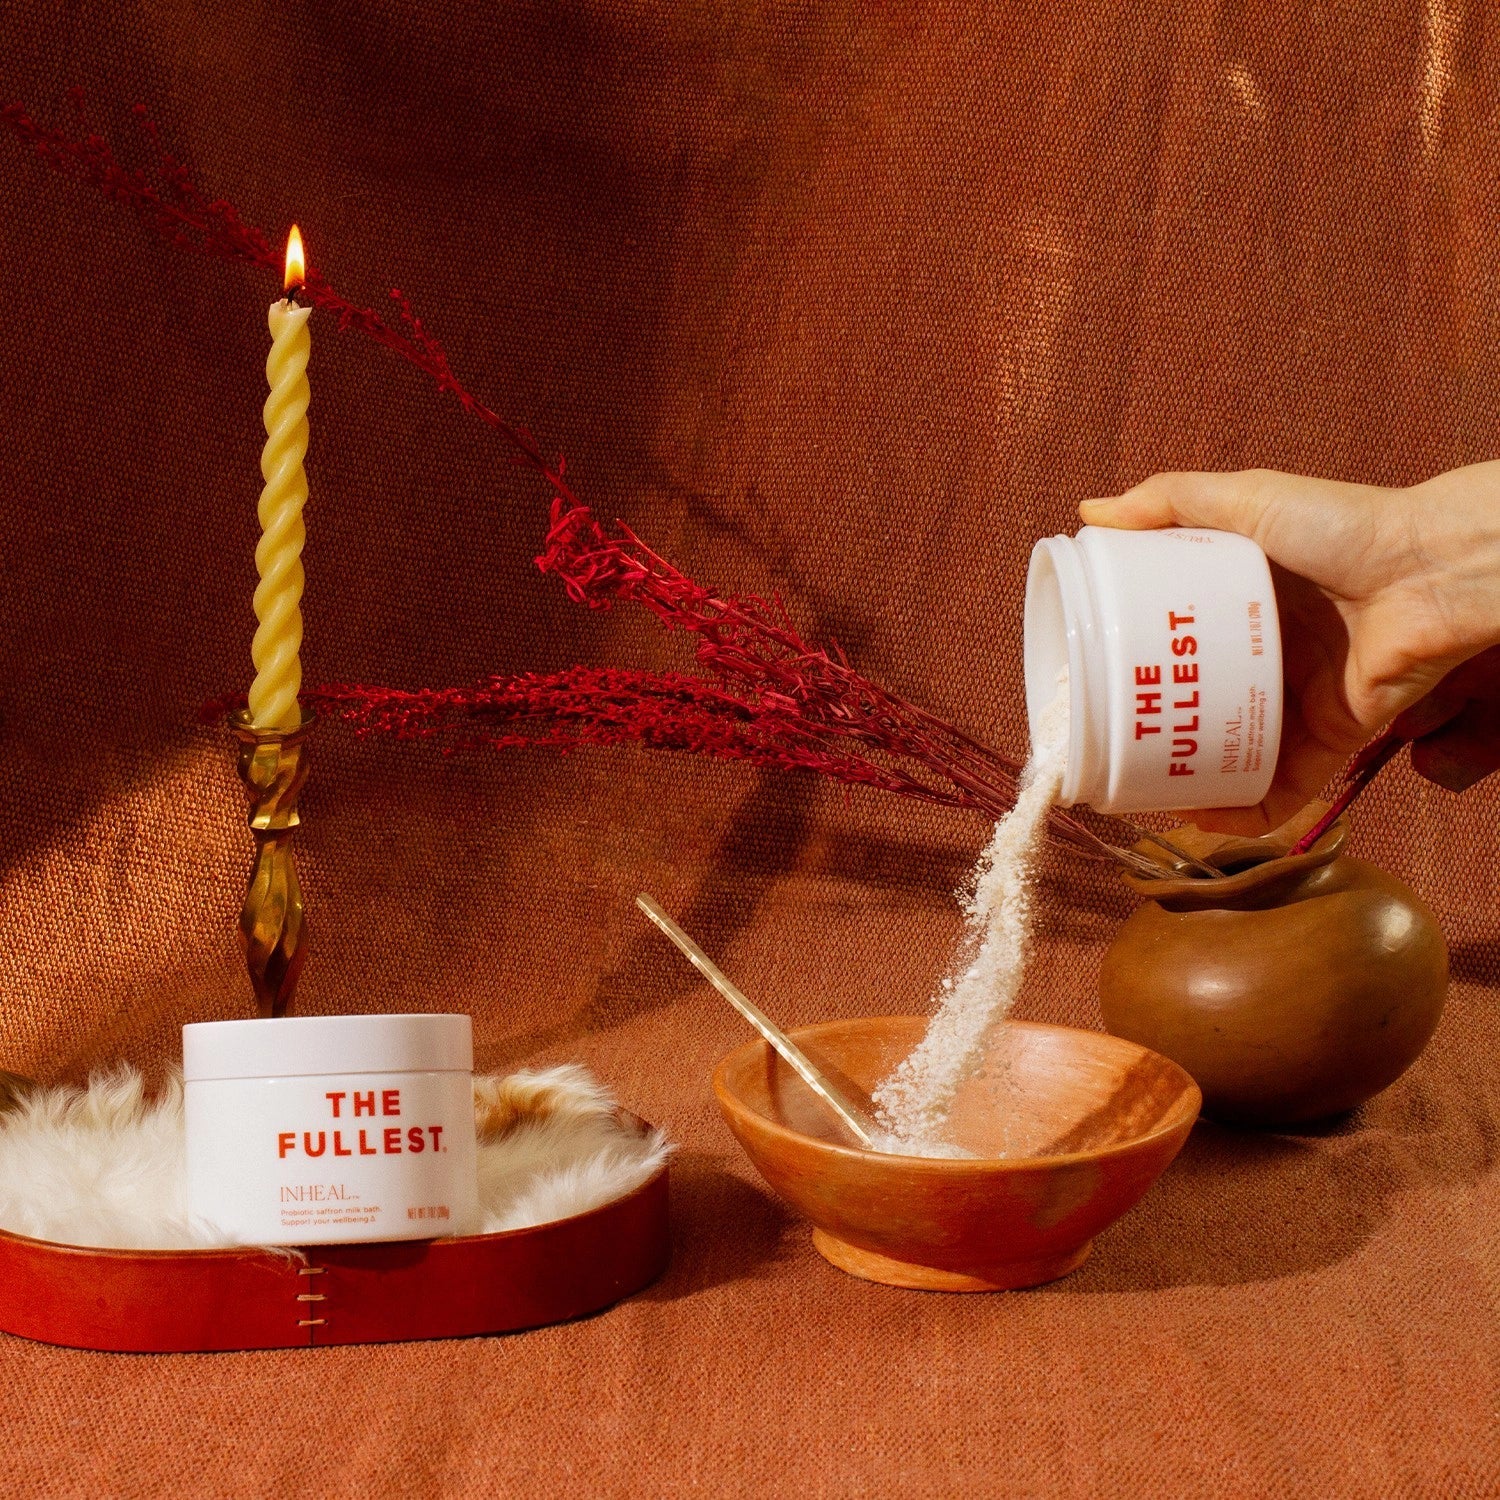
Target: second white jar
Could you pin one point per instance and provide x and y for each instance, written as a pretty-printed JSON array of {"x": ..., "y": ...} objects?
[
  {"x": 1171, "y": 646},
  {"x": 312, "y": 1130}
]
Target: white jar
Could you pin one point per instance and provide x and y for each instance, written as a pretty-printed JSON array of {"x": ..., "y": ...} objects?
[
  {"x": 1172, "y": 647},
  {"x": 315, "y": 1130}
]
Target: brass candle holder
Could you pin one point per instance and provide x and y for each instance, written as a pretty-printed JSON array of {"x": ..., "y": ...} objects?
[{"x": 273, "y": 928}]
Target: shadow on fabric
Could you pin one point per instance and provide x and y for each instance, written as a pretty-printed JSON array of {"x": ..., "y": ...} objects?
[
  {"x": 1238, "y": 1206},
  {"x": 706, "y": 1198}
]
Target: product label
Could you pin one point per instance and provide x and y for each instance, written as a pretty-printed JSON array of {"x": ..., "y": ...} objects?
[
  {"x": 1244, "y": 744},
  {"x": 1187, "y": 629},
  {"x": 1167, "y": 696},
  {"x": 1257, "y": 629},
  {"x": 317, "y": 1159},
  {"x": 389, "y": 1140},
  {"x": 319, "y": 1206},
  {"x": 1245, "y": 734}
]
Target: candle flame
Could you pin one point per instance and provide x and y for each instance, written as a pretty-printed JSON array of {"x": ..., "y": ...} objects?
[{"x": 296, "y": 261}]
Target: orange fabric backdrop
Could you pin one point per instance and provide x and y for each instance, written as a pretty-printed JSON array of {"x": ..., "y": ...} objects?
[{"x": 846, "y": 301}]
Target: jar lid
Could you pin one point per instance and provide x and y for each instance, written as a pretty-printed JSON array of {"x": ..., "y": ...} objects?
[{"x": 303, "y": 1046}]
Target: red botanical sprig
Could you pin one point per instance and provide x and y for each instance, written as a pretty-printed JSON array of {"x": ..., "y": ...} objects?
[
  {"x": 751, "y": 642},
  {"x": 600, "y": 706},
  {"x": 610, "y": 706},
  {"x": 1360, "y": 772},
  {"x": 166, "y": 200},
  {"x": 783, "y": 701}
]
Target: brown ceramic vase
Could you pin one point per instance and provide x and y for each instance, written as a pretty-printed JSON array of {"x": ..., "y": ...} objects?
[{"x": 1292, "y": 989}]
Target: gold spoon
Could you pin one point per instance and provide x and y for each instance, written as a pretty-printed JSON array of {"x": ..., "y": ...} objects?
[{"x": 854, "y": 1119}]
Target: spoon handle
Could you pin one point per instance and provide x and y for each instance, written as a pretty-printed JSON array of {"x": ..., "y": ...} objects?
[{"x": 854, "y": 1119}]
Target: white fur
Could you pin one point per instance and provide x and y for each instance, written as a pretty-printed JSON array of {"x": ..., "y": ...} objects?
[
  {"x": 572, "y": 1159},
  {"x": 105, "y": 1165}
]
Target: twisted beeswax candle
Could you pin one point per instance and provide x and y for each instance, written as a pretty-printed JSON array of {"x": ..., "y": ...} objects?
[{"x": 278, "y": 555}]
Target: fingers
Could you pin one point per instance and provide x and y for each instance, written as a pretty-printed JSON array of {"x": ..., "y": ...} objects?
[
  {"x": 1455, "y": 729},
  {"x": 1243, "y": 502},
  {"x": 1353, "y": 541},
  {"x": 1463, "y": 751}
]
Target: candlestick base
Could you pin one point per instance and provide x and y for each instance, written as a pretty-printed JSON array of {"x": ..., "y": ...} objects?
[{"x": 273, "y": 929}]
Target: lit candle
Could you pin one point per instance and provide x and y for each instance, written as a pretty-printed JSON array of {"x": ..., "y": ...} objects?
[{"x": 278, "y": 556}]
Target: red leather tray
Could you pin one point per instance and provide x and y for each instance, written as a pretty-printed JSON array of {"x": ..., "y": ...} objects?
[{"x": 161, "y": 1301}]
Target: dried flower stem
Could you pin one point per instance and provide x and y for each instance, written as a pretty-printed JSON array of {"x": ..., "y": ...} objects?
[
  {"x": 608, "y": 706},
  {"x": 1363, "y": 769},
  {"x": 793, "y": 705},
  {"x": 167, "y": 201}
]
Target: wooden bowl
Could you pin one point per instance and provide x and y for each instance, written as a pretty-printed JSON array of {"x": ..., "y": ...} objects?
[{"x": 1068, "y": 1128}]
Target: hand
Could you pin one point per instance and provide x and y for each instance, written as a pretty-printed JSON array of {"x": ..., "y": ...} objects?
[
  {"x": 1455, "y": 729},
  {"x": 1382, "y": 593}
]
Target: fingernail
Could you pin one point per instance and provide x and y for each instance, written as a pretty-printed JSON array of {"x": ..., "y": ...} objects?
[{"x": 1091, "y": 508}]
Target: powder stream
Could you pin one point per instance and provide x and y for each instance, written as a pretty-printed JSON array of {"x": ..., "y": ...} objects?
[{"x": 912, "y": 1104}]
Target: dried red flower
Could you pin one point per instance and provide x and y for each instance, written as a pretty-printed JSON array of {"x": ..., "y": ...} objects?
[
  {"x": 781, "y": 701},
  {"x": 609, "y": 706},
  {"x": 167, "y": 201}
]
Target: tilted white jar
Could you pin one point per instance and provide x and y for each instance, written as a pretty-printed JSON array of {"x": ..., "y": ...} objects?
[
  {"x": 1172, "y": 648},
  {"x": 313, "y": 1130}
]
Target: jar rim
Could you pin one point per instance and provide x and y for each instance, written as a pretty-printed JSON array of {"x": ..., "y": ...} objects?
[{"x": 311, "y": 1046}]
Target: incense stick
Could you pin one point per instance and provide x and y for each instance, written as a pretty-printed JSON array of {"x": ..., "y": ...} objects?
[{"x": 1362, "y": 771}]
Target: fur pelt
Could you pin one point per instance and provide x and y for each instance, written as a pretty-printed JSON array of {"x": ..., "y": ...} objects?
[{"x": 105, "y": 1165}]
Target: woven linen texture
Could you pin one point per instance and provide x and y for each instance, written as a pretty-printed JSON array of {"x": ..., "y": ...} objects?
[{"x": 847, "y": 301}]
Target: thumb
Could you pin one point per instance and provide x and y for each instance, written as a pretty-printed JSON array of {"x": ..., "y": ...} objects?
[{"x": 1240, "y": 502}]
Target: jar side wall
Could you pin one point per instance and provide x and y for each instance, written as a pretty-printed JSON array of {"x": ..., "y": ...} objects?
[
  {"x": 306, "y": 1046},
  {"x": 1192, "y": 659},
  {"x": 1062, "y": 632},
  {"x": 333, "y": 1159},
  {"x": 1275, "y": 673},
  {"x": 1045, "y": 632}
]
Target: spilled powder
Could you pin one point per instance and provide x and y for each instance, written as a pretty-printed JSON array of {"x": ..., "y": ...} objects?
[{"x": 912, "y": 1104}]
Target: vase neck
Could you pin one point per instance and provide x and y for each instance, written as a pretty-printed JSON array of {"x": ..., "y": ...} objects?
[{"x": 1256, "y": 872}]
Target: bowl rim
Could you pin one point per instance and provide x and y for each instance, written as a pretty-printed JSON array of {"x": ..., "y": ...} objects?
[{"x": 988, "y": 1164}]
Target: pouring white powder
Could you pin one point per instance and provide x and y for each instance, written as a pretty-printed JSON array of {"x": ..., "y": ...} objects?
[{"x": 912, "y": 1104}]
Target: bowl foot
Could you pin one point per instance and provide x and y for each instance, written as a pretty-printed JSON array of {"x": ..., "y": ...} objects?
[{"x": 1010, "y": 1276}]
